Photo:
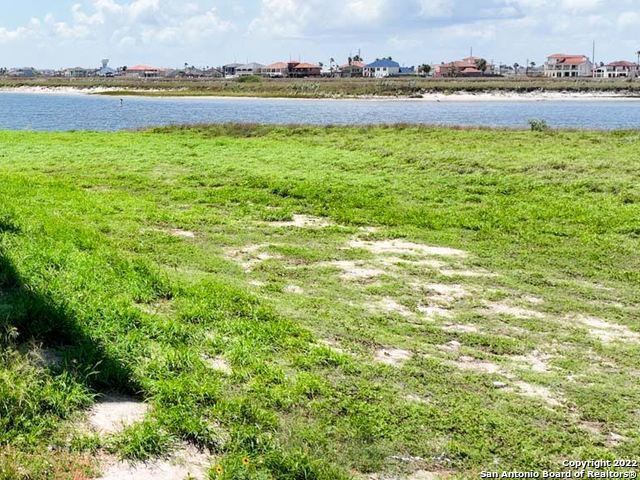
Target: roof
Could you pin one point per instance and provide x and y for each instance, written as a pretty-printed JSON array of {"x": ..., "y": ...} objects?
[
  {"x": 251, "y": 65},
  {"x": 142, "y": 68},
  {"x": 384, "y": 63},
  {"x": 354, "y": 64},
  {"x": 569, "y": 59},
  {"x": 278, "y": 66},
  {"x": 621, "y": 63},
  {"x": 306, "y": 65}
]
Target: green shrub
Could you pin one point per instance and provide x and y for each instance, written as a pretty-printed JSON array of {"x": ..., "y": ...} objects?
[{"x": 538, "y": 125}]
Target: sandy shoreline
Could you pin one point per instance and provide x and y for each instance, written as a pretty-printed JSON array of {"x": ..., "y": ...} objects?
[{"x": 462, "y": 96}]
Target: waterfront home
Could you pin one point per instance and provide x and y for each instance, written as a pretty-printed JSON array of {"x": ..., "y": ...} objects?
[
  {"x": 249, "y": 69},
  {"x": 301, "y": 70},
  {"x": 25, "y": 72},
  {"x": 276, "y": 70},
  {"x": 467, "y": 67},
  {"x": 229, "y": 70},
  {"x": 560, "y": 65},
  {"x": 382, "y": 68},
  {"x": 353, "y": 69},
  {"x": 407, "y": 71},
  {"x": 619, "y": 69},
  {"x": 144, "y": 71},
  {"x": 79, "y": 72}
]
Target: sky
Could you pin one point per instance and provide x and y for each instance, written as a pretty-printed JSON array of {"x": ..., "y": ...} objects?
[{"x": 170, "y": 33}]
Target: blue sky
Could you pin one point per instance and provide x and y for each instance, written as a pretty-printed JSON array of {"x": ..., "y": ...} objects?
[{"x": 46, "y": 33}]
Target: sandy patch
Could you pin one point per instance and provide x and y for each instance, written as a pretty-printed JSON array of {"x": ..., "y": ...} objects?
[
  {"x": 113, "y": 413},
  {"x": 389, "y": 305},
  {"x": 615, "y": 439},
  {"x": 532, "y": 299},
  {"x": 432, "y": 312},
  {"x": 475, "y": 365},
  {"x": 466, "y": 273},
  {"x": 189, "y": 463},
  {"x": 401, "y": 247},
  {"x": 416, "y": 399},
  {"x": 218, "y": 363},
  {"x": 495, "y": 308},
  {"x": 250, "y": 256},
  {"x": 176, "y": 232},
  {"x": 452, "y": 346},
  {"x": 537, "y": 391},
  {"x": 605, "y": 331},
  {"x": 395, "y": 261},
  {"x": 294, "y": 289},
  {"x": 304, "y": 221},
  {"x": 356, "y": 270},
  {"x": 445, "y": 294},
  {"x": 535, "y": 361},
  {"x": 393, "y": 357},
  {"x": 332, "y": 345},
  {"x": 460, "y": 328}
]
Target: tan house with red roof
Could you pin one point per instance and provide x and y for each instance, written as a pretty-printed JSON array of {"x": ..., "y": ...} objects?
[
  {"x": 561, "y": 65},
  {"x": 352, "y": 69},
  {"x": 144, "y": 71},
  {"x": 467, "y": 67},
  {"x": 276, "y": 70}
]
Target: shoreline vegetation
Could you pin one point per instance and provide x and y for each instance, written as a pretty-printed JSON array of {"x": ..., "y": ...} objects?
[
  {"x": 327, "y": 303},
  {"x": 409, "y": 88}
]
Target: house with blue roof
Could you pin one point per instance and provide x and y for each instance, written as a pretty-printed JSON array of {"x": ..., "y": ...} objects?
[{"x": 381, "y": 68}]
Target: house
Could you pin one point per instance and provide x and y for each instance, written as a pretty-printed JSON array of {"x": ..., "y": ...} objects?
[
  {"x": 144, "y": 71},
  {"x": 229, "y": 70},
  {"x": 619, "y": 69},
  {"x": 352, "y": 69},
  {"x": 106, "y": 70},
  {"x": 79, "y": 72},
  {"x": 382, "y": 68},
  {"x": 276, "y": 70},
  {"x": 249, "y": 69},
  {"x": 26, "y": 72},
  {"x": 301, "y": 70},
  {"x": 467, "y": 67},
  {"x": 561, "y": 65}
]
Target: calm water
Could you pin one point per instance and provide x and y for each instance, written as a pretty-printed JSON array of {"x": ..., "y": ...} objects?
[{"x": 22, "y": 111}]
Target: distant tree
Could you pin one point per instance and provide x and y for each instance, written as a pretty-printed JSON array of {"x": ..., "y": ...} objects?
[
  {"x": 516, "y": 68},
  {"x": 357, "y": 58},
  {"x": 424, "y": 69},
  {"x": 481, "y": 64}
]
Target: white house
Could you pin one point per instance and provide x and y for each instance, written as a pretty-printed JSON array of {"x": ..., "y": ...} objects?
[
  {"x": 382, "y": 68},
  {"x": 249, "y": 69},
  {"x": 560, "y": 65},
  {"x": 619, "y": 69}
]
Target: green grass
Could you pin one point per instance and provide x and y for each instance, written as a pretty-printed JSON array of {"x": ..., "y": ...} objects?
[
  {"x": 329, "y": 88},
  {"x": 90, "y": 269}
]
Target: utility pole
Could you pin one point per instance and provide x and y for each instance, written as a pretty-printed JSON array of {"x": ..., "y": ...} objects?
[{"x": 593, "y": 58}]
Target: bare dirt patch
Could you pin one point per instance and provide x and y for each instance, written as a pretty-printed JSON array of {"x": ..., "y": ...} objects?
[
  {"x": 432, "y": 312},
  {"x": 392, "y": 356},
  {"x": 177, "y": 232},
  {"x": 537, "y": 391},
  {"x": 115, "y": 412},
  {"x": 188, "y": 463},
  {"x": 494, "y": 308},
  {"x": 419, "y": 475},
  {"x": 607, "y": 332},
  {"x": 356, "y": 270},
  {"x": 304, "y": 221},
  {"x": 294, "y": 289},
  {"x": 250, "y": 256},
  {"x": 218, "y": 363},
  {"x": 389, "y": 305},
  {"x": 401, "y": 247},
  {"x": 460, "y": 328},
  {"x": 476, "y": 365},
  {"x": 535, "y": 361}
]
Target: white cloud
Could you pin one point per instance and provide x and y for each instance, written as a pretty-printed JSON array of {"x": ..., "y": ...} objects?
[{"x": 136, "y": 22}]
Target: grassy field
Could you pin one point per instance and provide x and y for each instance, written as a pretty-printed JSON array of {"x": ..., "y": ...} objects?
[
  {"x": 320, "y": 303},
  {"x": 328, "y": 88}
]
